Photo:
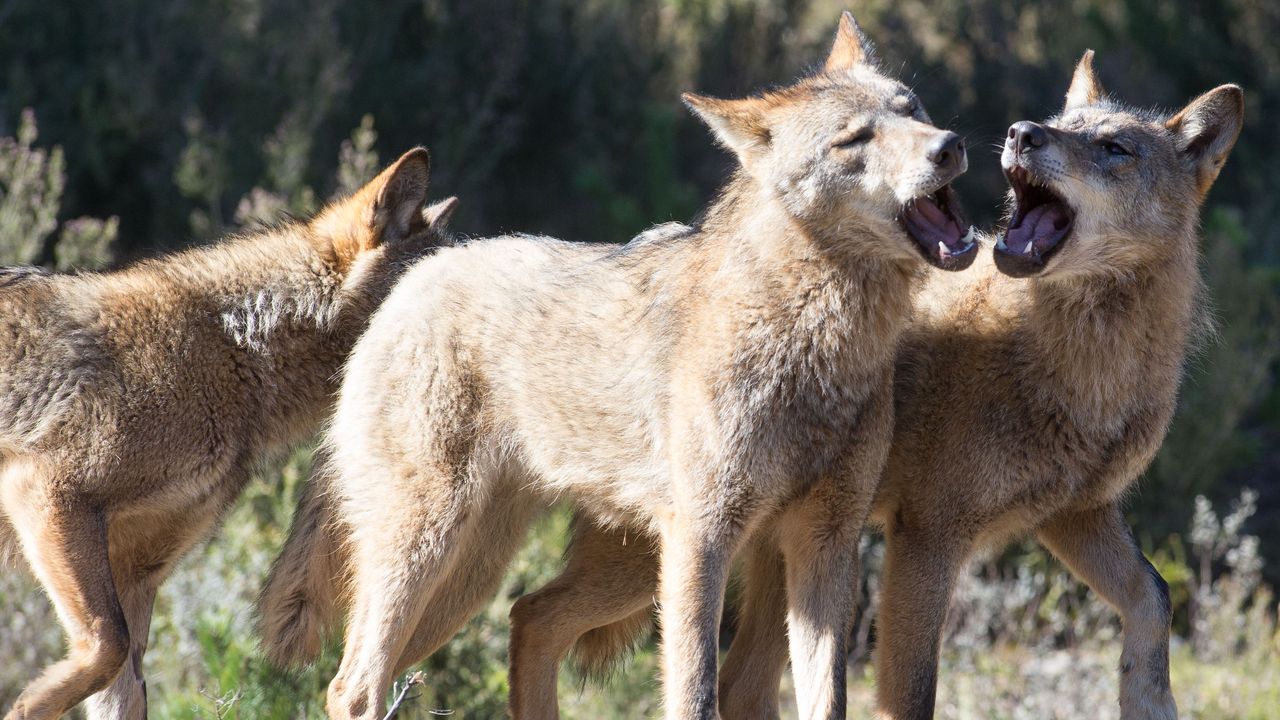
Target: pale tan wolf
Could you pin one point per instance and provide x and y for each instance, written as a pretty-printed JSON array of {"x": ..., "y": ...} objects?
[
  {"x": 134, "y": 405},
  {"x": 692, "y": 384},
  {"x": 1021, "y": 406}
]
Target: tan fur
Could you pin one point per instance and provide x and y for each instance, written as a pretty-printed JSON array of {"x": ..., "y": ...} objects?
[
  {"x": 1022, "y": 406},
  {"x": 692, "y": 384},
  {"x": 134, "y": 404}
]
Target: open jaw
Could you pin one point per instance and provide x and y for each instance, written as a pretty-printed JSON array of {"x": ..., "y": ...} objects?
[
  {"x": 934, "y": 223},
  {"x": 1040, "y": 224}
]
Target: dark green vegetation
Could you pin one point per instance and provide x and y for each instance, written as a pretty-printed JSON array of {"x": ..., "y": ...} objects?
[{"x": 185, "y": 120}]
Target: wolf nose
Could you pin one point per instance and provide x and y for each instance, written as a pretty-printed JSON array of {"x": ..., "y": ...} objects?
[
  {"x": 1027, "y": 136},
  {"x": 947, "y": 151}
]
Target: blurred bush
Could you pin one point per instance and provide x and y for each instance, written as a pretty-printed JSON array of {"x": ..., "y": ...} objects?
[{"x": 32, "y": 181}]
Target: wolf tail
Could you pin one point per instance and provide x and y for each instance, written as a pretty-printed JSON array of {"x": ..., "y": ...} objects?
[
  {"x": 305, "y": 593},
  {"x": 599, "y": 651}
]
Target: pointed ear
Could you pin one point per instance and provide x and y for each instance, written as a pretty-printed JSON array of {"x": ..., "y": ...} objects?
[
  {"x": 739, "y": 125},
  {"x": 401, "y": 191},
  {"x": 437, "y": 215},
  {"x": 1085, "y": 88},
  {"x": 1207, "y": 129},
  {"x": 850, "y": 48}
]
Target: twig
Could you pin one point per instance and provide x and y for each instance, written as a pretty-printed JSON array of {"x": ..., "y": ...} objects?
[{"x": 415, "y": 678}]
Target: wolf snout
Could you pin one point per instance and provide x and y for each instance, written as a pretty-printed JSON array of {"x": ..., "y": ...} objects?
[
  {"x": 947, "y": 152},
  {"x": 1025, "y": 136}
]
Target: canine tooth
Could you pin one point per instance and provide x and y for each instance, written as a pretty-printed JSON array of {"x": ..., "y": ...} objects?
[
  {"x": 967, "y": 240},
  {"x": 1000, "y": 242},
  {"x": 1027, "y": 250},
  {"x": 942, "y": 249}
]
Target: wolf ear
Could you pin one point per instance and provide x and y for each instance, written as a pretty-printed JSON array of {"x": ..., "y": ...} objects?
[
  {"x": 396, "y": 211},
  {"x": 739, "y": 125},
  {"x": 437, "y": 215},
  {"x": 1085, "y": 88},
  {"x": 1207, "y": 129},
  {"x": 851, "y": 46}
]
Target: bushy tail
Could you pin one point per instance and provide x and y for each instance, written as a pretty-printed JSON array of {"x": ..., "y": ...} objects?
[
  {"x": 305, "y": 593},
  {"x": 599, "y": 651}
]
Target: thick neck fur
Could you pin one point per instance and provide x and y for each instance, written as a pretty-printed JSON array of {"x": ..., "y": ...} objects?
[
  {"x": 1101, "y": 347},
  {"x": 840, "y": 292}
]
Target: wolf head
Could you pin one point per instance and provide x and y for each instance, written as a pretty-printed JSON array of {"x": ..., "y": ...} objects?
[
  {"x": 1102, "y": 188},
  {"x": 390, "y": 209},
  {"x": 851, "y": 148}
]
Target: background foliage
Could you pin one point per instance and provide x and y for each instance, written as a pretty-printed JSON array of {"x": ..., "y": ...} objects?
[{"x": 163, "y": 124}]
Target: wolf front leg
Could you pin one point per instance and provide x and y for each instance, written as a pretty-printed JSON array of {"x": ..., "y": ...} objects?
[
  {"x": 922, "y": 562},
  {"x": 819, "y": 540},
  {"x": 1099, "y": 548},
  {"x": 696, "y": 550}
]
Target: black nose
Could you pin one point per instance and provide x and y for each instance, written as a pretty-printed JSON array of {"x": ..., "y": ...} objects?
[
  {"x": 1027, "y": 136},
  {"x": 947, "y": 151}
]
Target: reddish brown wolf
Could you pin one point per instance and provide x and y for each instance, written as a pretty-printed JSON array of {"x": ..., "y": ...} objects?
[
  {"x": 1022, "y": 406},
  {"x": 692, "y": 384},
  {"x": 134, "y": 404}
]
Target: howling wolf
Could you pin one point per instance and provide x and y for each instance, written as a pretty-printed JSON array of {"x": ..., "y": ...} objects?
[{"x": 692, "y": 384}]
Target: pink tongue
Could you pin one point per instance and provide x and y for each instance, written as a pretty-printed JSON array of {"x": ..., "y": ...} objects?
[
  {"x": 1042, "y": 227},
  {"x": 929, "y": 225},
  {"x": 930, "y": 211}
]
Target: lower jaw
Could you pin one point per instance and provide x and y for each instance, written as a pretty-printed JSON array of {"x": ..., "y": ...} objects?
[
  {"x": 954, "y": 263},
  {"x": 1018, "y": 265}
]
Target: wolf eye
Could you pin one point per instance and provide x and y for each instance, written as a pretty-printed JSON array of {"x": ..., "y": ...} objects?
[
  {"x": 1116, "y": 149},
  {"x": 851, "y": 138}
]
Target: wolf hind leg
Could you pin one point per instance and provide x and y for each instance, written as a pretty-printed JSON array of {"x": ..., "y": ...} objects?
[
  {"x": 400, "y": 549},
  {"x": 66, "y": 546},
  {"x": 499, "y": 529},
  {"x": 126, "y": 697},
  {"x": 609, "y": 578},
  {"x": 753, "y": 668},
  {"x": 142, "y": 550},
  {"x": 1099, "y": 548}
]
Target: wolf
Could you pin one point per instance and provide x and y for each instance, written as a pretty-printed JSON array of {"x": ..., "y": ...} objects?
[
  {"x": 134, "y": 404},
  {"x": 1022, "y": 406},
  {"x": 691, "y": 384}
]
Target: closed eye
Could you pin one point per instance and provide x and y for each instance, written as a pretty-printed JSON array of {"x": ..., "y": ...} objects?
[
  {"x": 852, "y": 137},
  {"x": 1116, "y": 149}
]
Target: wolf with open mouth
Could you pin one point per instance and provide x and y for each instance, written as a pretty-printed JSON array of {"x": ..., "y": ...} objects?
[
  {"x": 689, "y": 385},
  {"x": 1069, "y": 381}
]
